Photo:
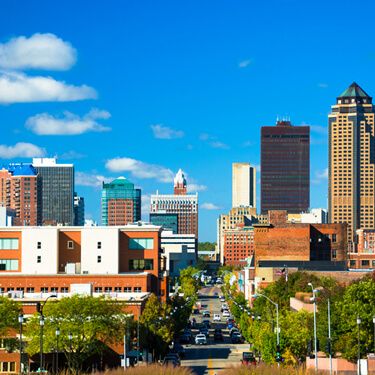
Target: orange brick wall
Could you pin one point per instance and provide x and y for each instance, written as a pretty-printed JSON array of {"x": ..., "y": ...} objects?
[{"x": 67, "y": 255}]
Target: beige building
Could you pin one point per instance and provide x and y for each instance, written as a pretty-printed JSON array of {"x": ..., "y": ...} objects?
[
  {"x": 243, "y": 185},
  {"x": 351, "y": 161}
]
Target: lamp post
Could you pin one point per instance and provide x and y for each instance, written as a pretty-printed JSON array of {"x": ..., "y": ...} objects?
[
  {"x": 57, "y": 333},
  {"x": 70, "y": 338},
  {"x": 359, "y": 345},
  {"x": 373, "y": 320},
  {"x": 20, "y": 321},
  {"x": 315, "y": 336}
]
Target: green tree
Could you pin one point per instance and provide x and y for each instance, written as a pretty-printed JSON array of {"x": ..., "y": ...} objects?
[
  {"x": 189, "y": 282},
  {"x": 206, "y": 246},
  {"x": 9, "y": 311},
  {"x": 93, "y": 322}
]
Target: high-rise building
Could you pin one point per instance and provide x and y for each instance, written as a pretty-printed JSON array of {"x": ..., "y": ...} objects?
[
  {"x": 183, "y": 204},
  {"x": 285, "y": 167},
  {"x": 79, "y": 210},
  {"x": 20, "y": 191},
  {"x": 165, "y": 220},
  {"x": 243, "y": 185},
  {"x": 121, "y": 202},
  {"x": 57, "y": 191},
  {"x": 351, "y": 181}
]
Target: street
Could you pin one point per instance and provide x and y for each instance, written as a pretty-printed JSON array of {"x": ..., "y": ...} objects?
[{"x": 210, "y": 359}]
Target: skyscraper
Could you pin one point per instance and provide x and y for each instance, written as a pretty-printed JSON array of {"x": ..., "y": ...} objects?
[
  {"x": 79, "y": 210},
  {"x": 57, "y": 191},
  {"x": 183, "y": 204},
  {"x": 243, "y": 185},
  {"x": 121, "y": 202},
  {"x": 20, "y": 190},
  {"x": 351, "y": 181},
  {"x": 285, "y": 167}
]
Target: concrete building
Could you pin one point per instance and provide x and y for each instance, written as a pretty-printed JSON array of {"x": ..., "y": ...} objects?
[
  {"x": 184, "y": 205},
  {"x": 7, "y": 216},
  {"x": 351, "y": 173},
  {"x": 315, "y": 216},
  {"x": 285, "y": 167},
  {"x": 20, "y": 190},
  {"x": 111, "y": 259},
  {"x": 57, "y": 189},
  {"x": 243, "y": 185},
  {"x": 121, "y": 202},
  {"x": 180, "y": 251},
  {"x": 79, "y": 210}
]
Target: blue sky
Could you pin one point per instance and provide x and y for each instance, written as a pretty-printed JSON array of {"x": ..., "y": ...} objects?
[{"x": 142, "y": 88}]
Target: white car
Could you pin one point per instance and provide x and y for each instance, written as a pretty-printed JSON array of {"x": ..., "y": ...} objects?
[
  {"x": 226, "y": 314},
  {"x": 217, "y": 318},
  {"x": 222, "y": 299},
  {"x": 200, "y": 339}
]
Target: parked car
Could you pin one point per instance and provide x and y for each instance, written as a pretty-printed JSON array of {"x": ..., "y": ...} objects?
[
  {"x": 233, "y": 330},
  {"x": 218, "y": 335},
  {"x": 226, "y": 314},
  {"x": 236, "y": 338},
  {"x": 195, "y": 311},
  {"x": 205, "y": 331},
  {"x": 200, "y": 339},
  {"x": 206, "y": 314},
  {"x": 222, "y": 299},
  {"x": 248, "y": 358},
  {"x": 185, "y": 339},
  {"x": 217, "y": 318}
]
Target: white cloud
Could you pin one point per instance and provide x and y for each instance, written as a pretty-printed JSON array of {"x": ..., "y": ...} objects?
[
  {"x": 218, "y": 144},
  {"x": 192, "y": 188},
  {"x": 140, "y": 169},
  {"x": 21, "y": 150},
  {"x": 244, "y": 63},
  {"x": 70, "y": 124},
  {"x": 69, "y": 155},
  {"x": 20, "y": 88},
  {"x": 164, "y": 132},
  {"x": 209, "y": 206},
  {"x": 320, "y": 176},
  {"x": 90, "y": 179},
  {"x": 40, "y": 51},
  {"x": 146, "y": 200},
  {"x": 322, "y": 85}
]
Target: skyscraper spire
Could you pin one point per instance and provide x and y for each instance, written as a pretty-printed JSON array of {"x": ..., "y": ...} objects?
[{"x": 180, "y": 185}]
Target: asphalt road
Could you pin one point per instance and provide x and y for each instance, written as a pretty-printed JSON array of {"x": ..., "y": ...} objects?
[{"x": 212, "y": 358}]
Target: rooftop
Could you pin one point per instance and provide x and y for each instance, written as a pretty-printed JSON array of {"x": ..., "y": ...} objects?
[
  {"x": 22, "y": 169},
  {"x": 354, "y": 91}
]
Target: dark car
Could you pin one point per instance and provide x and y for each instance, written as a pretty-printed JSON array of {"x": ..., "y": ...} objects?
[
  {"x": 179, "y": 349},
  {"x": 248, "y": 358},
  {"x": 218, "y": 335},
  {"x": 206, "y": 322},
  {"x": 233, "y": 330},
  {"x": 195, "y": 311},
  {"x": 185, "y": 339},
  {"x": 236, "y": 338},
  {"x": 204, "y": 331},
  {"x": 206, "y": 314}
]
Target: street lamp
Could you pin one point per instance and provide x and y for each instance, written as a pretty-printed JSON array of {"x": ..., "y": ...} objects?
[
  {"x": 20, "y": 321},
  {"x": 359, "y": 345},
  {"x": 373, "y": 320},
  {"x": 315, "y": 336},
  {"x": 57, "y": 333},
  {"x": 277, "y": 314}
]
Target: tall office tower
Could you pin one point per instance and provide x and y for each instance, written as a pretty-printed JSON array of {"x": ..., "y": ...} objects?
[
  {"x": 57, "y": 191},
  {"x": 285, "y": 167},
  {"x": 351, "y": 181},
  {"x": 180, "y": 185},
  {"x": 20, "y": 190},
  {"x": 79, "y": 210},
  {"x": 184, "y": 205},
  {"x": 243, "y": 185},
  {"x": 121, "y": 202}
]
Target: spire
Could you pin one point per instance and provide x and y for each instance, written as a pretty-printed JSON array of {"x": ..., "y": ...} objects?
[
  {"x": 354, "y": 91},
  {"x": 180, "y": 185}
]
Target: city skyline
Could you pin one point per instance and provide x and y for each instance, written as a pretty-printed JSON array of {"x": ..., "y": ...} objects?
[{"x": 199, "y": 94}]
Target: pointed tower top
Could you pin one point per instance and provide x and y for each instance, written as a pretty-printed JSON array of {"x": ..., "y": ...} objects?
[
  {"x": 354, "y": 91},
  {"x": 180, "y": 186}
]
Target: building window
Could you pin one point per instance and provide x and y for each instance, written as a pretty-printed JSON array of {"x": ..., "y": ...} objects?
[
  {"x": 127, "y": 289},
  {"x": 8, "y": 243},
  {"x": 99, "y": 258},
  {"x": 99, "y": 245},
  {"x": 64, "y": 289},
  {"x": 334, "y": 255},
  {"x": 108, "y": 289},
  {"x": 38, "y": 245},
  {"x": 141, "y": 264},
  {"x": 30, "y": 290},
  {"x": 8, "y": 264},
  {"x": 54, "y": 289},
  {"x": 334, "y": 237},
  {"x": 118, "y": 289},
  {"x": 70, "y": 245},
  {"x": 98, "y": 289},
  {"x": 365, "y": 263},
  {"x": 141, "y": 243},
  {"x": 38, "y": 259},
  {"x": 2, "y": 290},
  {"x": 137, "y": 289},
  {"x": 44, "y": 289}
]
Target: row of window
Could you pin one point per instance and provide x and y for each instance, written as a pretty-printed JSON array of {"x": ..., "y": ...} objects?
[
  {"x": 134, "y": 244},
  {"x": 8, "y": 265},
  {"x": 8, "y": 243},
  {"x": 7, "y": 366},
  {"x": 98, "y": 289},
  {"x": 364, "y": 263}
]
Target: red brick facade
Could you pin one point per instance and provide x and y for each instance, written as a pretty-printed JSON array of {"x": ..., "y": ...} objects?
[{"x": 238, "y": 246}]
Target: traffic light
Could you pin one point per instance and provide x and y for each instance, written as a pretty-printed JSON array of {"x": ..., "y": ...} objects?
[{"x": 279, "y": 358}]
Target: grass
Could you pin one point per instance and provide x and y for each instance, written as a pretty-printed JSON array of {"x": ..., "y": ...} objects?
[
  {"x": 267, "y": 370},
  {"x": 154, "y": 369}
]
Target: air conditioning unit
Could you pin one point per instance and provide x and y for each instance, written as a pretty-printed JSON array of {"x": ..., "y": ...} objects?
[{"x": 85, "y": 272}]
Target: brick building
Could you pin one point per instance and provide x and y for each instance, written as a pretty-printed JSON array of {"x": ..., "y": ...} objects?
[
  {"x": 238, "y": 246},
  {"x": 364, "y": 255}
]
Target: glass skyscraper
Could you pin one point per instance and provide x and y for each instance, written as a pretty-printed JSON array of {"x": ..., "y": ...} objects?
[
  {"x": 165, "y": 220},
  {"x": 121, "y": 202}
]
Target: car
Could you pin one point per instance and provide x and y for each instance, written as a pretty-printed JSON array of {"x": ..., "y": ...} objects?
[
  {"x": 248, "y": 358},
  {"x": 217, "y": 318},
  {"x": 219, "y": 280},
  {"x": 185, "y": 339},
  {"x": 200, "y": 339},
  {"x": 218, "y": 335},
  {"x": 236, "y": 338},
  {"x": 230, "y": 325},
  {"x": 206, "y": 322},
  {"x": 204, "y": 331},
  {"x": 172, "y": 357},
  {"x": 222, "y": 299},
  {"x": 233, "y": 330},
  {"x": 196, "y": 311},
  {"x": 226, "y": 314},
  {"x": 179, "y": 349},
  {"x": 206, "y": 314}
]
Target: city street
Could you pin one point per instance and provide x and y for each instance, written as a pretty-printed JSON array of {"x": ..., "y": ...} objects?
[{"x": 210, "y": 359}]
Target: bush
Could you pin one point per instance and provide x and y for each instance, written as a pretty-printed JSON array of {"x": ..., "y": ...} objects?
[
  {"x": 154, "y": 369},
  {"x": 267, "y": 370}
]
